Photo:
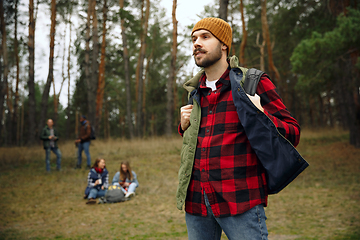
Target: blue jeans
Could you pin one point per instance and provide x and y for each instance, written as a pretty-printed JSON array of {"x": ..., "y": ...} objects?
[
  {"x": 131, "y": 187},
  {"x": 47, "y": 158},
  {"x": 84, "y": 146},
  {"x": 249, "y": 225},
  {"x": 94, "y": 193}
]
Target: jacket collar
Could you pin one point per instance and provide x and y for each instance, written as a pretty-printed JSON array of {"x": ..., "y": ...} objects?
[{"x": 193, "y": 83}]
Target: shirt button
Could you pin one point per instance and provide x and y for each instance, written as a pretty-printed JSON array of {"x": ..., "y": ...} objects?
[
  {"x": 210, "y": 112},
  {"x": 203, "y": 170},
  {"x": 207, "y": 130},
  {"x": 203, "y": 149},
  {"x": 209, "y": 93}
]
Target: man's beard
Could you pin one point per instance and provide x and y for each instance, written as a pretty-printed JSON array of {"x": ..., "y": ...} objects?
[{"x": 210, "y": 59}]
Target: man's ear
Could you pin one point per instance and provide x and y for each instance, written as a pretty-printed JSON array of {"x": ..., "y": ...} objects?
[{"x": 224, "y": 47}]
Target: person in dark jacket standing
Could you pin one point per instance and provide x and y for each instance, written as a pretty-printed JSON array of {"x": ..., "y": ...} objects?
[
  {"x": 221, "y": 181},
  {"x": 83, "y": 141},
  {"x": 50, "y": 137}
]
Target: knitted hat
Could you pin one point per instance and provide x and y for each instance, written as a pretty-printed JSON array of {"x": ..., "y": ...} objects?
[{"x": 218, "y": 27}]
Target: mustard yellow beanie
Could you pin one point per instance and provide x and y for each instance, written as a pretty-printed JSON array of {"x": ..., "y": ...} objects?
[{"x": 218, "y": 27}]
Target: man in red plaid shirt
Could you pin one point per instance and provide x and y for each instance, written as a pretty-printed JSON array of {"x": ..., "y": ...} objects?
[{"x": 221, "y": 181}]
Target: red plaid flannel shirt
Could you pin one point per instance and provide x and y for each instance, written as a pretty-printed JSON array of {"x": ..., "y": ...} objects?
[{"x": 225, "y": 165}]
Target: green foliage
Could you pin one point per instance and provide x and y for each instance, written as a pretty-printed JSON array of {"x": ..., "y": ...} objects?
[{"x": 314, "y": 58}]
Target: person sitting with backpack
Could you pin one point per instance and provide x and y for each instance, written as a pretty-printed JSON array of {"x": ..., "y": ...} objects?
[
  {"x": 126, "y": 178},
  {"x": 98, "y": 181}
]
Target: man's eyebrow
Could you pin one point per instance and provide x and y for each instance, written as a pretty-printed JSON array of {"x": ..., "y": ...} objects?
[{"x": 201, "y": 34}]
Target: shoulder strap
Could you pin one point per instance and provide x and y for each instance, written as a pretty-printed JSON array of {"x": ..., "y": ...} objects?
[{"x": 251, "y": 81}]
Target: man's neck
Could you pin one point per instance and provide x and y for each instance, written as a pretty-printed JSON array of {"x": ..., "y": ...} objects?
[{"x": 215, "y": 71}]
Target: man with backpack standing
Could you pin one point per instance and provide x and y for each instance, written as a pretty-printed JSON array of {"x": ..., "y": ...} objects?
[
  {"x": 83, "y": 141},
  {"x": 221, "y": 180},
  {"x": 50, "y": 137}
]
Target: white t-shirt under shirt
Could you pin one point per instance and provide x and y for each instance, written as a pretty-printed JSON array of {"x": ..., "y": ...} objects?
[{"x": 211, "y": 84}]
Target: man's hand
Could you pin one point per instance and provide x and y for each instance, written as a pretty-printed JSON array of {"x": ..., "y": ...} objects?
[
  {"x": 256, "y": 101},
  {"x": 185, "y": 112},
  {"x": 77, "y": 140}
]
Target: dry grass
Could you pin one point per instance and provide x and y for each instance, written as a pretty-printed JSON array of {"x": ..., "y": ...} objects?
[{"x": 321, "y": 204}]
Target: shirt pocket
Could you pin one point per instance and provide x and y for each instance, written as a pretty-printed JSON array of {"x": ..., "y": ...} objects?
[{"x": 228, "y": 128}]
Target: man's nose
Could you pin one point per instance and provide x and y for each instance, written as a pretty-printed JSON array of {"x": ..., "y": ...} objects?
[{"x": 197, "y": 43}]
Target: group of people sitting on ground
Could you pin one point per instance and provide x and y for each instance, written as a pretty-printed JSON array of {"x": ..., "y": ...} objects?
[{"x": 98, "y": 181}]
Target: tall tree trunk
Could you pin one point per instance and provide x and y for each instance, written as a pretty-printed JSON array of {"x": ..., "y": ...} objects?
[
  {"x": 244, "y": 36},
  {"x": 50, "y": 78},
  {"x": 127, "y": 73},
  {"x": 4, "y": 83},
  {"x": 139, "y": 56},
  {"x": 223, "y": 10},
  {"x": 329, "y": 109},
  {"x": 57, "y": 98},
  {"x": 68, "y": 73},
  {"x": 172, "y": 75},
  {"x": 22, "y": 124},
  {"x": 16, "y": 100},
  {"x": 146, "y": 82},
  {"x": 31, "y": 139},
  {"x": 87, "y": 53},
  {"x": 94, "y": 66},
  {"x": 262, "y": 52},
  {"x": 139, "y": 112},
  {"x": 101, "y": 81},
  {"x": 274, "y": 73}
]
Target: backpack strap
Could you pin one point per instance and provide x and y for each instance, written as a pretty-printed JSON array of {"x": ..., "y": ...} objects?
[{"x": 251, "y": 81}]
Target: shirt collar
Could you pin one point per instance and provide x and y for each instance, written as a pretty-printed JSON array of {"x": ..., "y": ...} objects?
[{"x": 224, "y": 79}]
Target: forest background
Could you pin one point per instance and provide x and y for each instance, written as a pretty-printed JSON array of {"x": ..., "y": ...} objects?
[
  {"x": 127, "y": 61},
  {"x": 122, "y": 63}
]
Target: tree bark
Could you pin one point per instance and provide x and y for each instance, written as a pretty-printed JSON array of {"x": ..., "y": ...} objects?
[
  {"x": 223, "y": 10},
  {"x": 139, "y": 56},
  {"x": 4, "y": 83},
  {"x": 244, "y": 36},
  {"x": 68, "y": 73},
  {"x": 146, "y": 82},
  {"x": 127, "y": 73},
  {"x": 262, "y": 52},
  {"x": 87, "y": 54},
  {"x": 16, "y": 100},
  {"x": 50, "y": 78},
  {"x": 139, "y": 112},
  {"x": 101, "y": 81},
  {"x": 31, "y": 139},
  {"x": 274, "y": 73},
  {"x": 57, "y": 98},
  {"x": 94, "y": 66},
  {"x": 172, "y": 75}
]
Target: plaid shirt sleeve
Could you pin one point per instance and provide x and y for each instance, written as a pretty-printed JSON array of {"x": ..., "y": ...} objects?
[
  {"x": 90, "y": 183},
  {"x": 275, "y": 109},
  {"x": 106, "y": 183}
]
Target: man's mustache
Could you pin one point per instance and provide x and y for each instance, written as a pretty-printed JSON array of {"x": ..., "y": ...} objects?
[{"x": 197, "y": 50}]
